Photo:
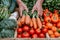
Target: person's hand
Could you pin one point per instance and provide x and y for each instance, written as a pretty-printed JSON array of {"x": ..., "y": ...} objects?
[
  {"x": 22, "y": 7},
  {"x": 38, "y": 7}
]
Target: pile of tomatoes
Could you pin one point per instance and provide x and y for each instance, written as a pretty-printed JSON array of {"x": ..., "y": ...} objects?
[
  {"x": 27, "y": 32},
  {"x": 52, "y": 23}
]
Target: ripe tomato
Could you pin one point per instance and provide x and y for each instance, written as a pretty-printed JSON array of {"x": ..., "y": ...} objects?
[
  {"x": 58, "y": 24},
  {"x": 26, "y": 28},
  {"x": 54, "y": 24},
  {"x": 54, "y": 29},
  {"x": 34, "y": 36},
  {"x": 43, "y": 23},
  {"x": 57, "y": 34},
  {"x": 50, "y": 32},
  {"x": 50, "y": 14},
  {"x": 49, "y": 25},
  {"x": 38, "y": 31},
  {"x": 19, "y": 36},
  {"x": 25, "y": 35},
  {"x": 54, "y": 18},
  {"x": 41, "y": 35},
  {"x": 44, "y": 30},
  {"x": 47, "y": 19},
  {"x": 52, "y": 36},
  {"x": 32, "y": 31},
  {"x": 19, "y": 30}
]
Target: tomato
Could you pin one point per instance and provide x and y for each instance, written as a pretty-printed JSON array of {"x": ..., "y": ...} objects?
[
  {"x": 54, "y": 18},
  {"x": 25, "y": 35},
  {"x": 38, "y": 31},
  {"x": 26, "y": 28},
  {"x": 57, "y": 34},
  {"x": 47, "y": 19},
  {"x": 34, "y": 36},
  {"x": 54, "y": 24},
  {"x": 41, "y": 35},
  {"x": 46, "y": 10},
  {"x": 55, "y": 11},
  {"x": 52, "y": 36},
  {"x": 43, "y": 23},
  {"x": 58, "y": 24},
  {"x": 19, "y": 30},
  {"x": 32, "y": 31},
  {"x": 19, "y": 36},
  {"x": 54, "y": 29},
  {"x": 50, "y": 32},
  {"x": 44, "y": 30},
  {"x": 46, "y": 27},
  {"x": 50, "y": 14},
  {"x": 49, "y": 25}
]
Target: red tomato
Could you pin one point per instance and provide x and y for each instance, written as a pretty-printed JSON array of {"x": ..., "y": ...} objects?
[
  {"x": 25, "y": 35},
  {"x": 32, "y": 31},
  {"x": 38, "y": 31},
  {"x": 26, "y": 28},
  {"x": 50, "y": 14},
  {"x": 19, "y": 30},
  {"x": 18, "y": 36},
  {"x": 43, "y": 23},
  {"x": 44, "y": 30},
  {"x": 47, "y": 19},
  {"x": 41, "y": 35},
  {"x": 58, "y": 24},
  {"x": 34, "y": 36}
]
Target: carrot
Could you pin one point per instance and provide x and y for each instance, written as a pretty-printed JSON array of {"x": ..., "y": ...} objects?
[
  {"x": 39, "y": 22},
  {"x": 27, "y": 19},
  {"x": 19, "y": 23},
  {"x": 31, "y": 23},
  {"x": 23, "y": 19},
  {"x": 34, "y": 22}
]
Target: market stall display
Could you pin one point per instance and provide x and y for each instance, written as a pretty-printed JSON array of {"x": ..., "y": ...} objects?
[{"x": 29, "y": 25}]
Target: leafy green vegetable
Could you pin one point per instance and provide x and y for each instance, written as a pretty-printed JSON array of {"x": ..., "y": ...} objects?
[
  {"x": 6, "y": 33},
  {"x": 8, "y": 24},
  {"x": 4, "y": 13},
  {"x": 51, "y": 4}
]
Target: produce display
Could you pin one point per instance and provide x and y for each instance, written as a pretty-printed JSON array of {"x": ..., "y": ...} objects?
[
  {"x": 34, "y": 27},
  {"x": 29, "y": 25}
]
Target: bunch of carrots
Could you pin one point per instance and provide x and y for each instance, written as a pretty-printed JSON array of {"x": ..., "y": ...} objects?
[{"x": 34, "y": 22}]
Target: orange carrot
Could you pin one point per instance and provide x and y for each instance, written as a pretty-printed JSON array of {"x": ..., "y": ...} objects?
[
  {"x": 34, "y": 22},
  {"x": 31, "y": 23},
  {"x": 23, "y": 19},
  {"x": 39, "y": 22},
  {"x": 27, "y": 19},
  {"x": 19, "y": 23}
]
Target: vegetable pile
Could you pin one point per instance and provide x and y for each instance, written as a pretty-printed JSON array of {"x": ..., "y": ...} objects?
[
  {"x": 7, "y": 28},
  {"x": 52, "y": 23},
  {"x": 30, "y": 27}
]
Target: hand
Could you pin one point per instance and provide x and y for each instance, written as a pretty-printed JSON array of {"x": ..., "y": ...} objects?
[
  {"x": 38, "y": 7},
  {"x": 22, "y": 7}
]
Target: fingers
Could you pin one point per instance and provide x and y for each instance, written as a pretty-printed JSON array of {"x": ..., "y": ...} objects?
[
  {"x": 21, "y": 11},
  {"x": 40, "y": 12},
  {"x": 34, "y": 8},
  {"x": 26, "y": 8}
]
